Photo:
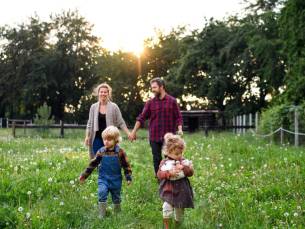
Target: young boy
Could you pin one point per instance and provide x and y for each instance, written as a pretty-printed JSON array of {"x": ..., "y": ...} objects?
[{"x": 110, "y": 159}]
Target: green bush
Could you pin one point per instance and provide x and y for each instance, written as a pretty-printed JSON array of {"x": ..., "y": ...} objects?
[
  {"x": 281, "y": 116},
  {"x": 44, "y": 119}
]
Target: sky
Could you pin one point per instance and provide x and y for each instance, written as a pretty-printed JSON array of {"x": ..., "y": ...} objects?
[{"x": 124, "y": 24}]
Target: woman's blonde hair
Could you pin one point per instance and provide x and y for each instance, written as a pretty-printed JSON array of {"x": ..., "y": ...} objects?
[
  {"x": 112, "y": 132},
  {"x": 171, "y": 143},
  {"x": 103, "y": 85}
]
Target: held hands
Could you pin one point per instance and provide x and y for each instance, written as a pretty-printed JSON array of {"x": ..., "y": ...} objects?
[{"x": 132, "y": 136}]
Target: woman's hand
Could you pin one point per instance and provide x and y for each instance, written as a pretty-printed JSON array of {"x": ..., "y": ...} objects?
[{"x": 87, "y": 141}]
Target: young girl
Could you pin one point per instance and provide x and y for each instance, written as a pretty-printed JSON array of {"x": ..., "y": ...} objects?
[
  {"x": 110, "y": 159},
  {"x": 175, "y": 189}
]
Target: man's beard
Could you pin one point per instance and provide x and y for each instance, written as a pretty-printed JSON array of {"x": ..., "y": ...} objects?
[{"x": 157, "y": 94}]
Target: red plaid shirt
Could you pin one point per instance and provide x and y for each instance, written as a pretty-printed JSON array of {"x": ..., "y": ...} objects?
[{"x": 164, "y": 116}]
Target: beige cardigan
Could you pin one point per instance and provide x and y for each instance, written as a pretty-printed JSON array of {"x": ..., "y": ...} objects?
[{"x": 113, "y": 118}]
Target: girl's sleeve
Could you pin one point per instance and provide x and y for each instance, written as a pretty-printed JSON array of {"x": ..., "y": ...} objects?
[
  {"x": 162, "y": 174},
  {"x": 188, "y": 171}
]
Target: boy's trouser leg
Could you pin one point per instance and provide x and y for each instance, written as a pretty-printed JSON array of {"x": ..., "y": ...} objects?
[
  {"x": 156, "y": 148},
  {"x": 116, "y": 199},
  {"x": 102, "y": 192}
]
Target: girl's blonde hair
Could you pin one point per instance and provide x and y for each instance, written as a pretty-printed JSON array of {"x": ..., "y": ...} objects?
[
  {"x": 103, "y": 85},
  {"x": 171, "y": 143},
  {"x": 113, "y": 133}
]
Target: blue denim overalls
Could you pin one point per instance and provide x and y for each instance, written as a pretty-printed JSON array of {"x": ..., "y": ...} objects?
[{"x": 110, "y": 176}]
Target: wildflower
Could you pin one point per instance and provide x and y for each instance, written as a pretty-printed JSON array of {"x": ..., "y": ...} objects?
[
  {"x": 71, "y": 182},
  {"x": 20, "y": 209},
  {"x": 61, "y": 203},
  {"x": 286, "y": 214},
  {"x": 29, "y": 192},
  {"x": 27, "y": 215},
  {"x": 50, "y": 180},
  {"x": 295, "y": 214}
]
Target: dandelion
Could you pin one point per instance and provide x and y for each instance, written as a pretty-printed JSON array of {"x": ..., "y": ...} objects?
[
  {"x": 286, "y": 214},
  {"x": 50, "y": 180},
  {"x": 20, "y": 209},
  {"x": 295, "y": 214},
  {"x": 27, "y": 215},
  {"x": 71, "y": 182},
  {"x": 29, "y": 192},
  {"x": 61, "y": 203}
]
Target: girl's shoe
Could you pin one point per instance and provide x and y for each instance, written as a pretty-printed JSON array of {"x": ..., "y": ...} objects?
[{"x": 166, "y": 223}]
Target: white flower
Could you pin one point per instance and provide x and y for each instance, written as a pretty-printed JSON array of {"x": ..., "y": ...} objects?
[
  {"x": 29, "y": 192},
  {"x": 50, "y": 180},
  {"x": 72, "y": 182},
  {"x": 28, "y": 215},
  {"x": 20, "y": 209},
  {"x": 61, "y": 203},
  {"x": 286, "y": 214},
  {"x": 295, "y": 214},
  {"x": 39, "y": 189}
]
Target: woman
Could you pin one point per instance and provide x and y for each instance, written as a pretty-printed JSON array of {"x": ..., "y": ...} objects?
[{"x": 102, "y": 114}]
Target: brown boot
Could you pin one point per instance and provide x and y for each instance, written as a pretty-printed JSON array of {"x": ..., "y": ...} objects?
[
  {"x": 166, "y": 223},
  {"x": 117, "y": 208},
  {"x": 102, "y": 209}
]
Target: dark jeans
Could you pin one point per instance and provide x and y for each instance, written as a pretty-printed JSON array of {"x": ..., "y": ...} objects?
[{"x": 156, "y": 148}]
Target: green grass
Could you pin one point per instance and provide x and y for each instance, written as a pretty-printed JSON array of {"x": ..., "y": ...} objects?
[{"x": 239, "y": 182}]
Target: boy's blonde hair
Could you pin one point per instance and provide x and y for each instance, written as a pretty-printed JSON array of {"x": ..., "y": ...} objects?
[
  {"x": 103, "y": 85},
  {"x": 171, "y": 143},
  {"x": 112, "y": 132}
]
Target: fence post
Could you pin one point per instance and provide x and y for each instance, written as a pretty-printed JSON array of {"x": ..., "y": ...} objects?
[
  {"x": 24, "y": 127},
  {"x": 233, "y": 124},
  {"x": 244, "y": 123},
  {"x": 1, "y": 122},
  {"x": 61, "y": 129},
  {"x": 282, "y": 136},
  {"x": 296, "y": 127},
  {"x": 250, "y": 119},
  {"x": 6, "y": 122},
  {"x": 14, "y": 129},
  {"x": 256, "y": 122},
  {"x": 271, "y": 136}
]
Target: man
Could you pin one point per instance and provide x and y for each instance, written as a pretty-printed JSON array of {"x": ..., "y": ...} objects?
[{"x": 164, "y": 116}]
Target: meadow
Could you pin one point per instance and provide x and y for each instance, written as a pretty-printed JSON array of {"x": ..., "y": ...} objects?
[{"x": 239, "y": 182}]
